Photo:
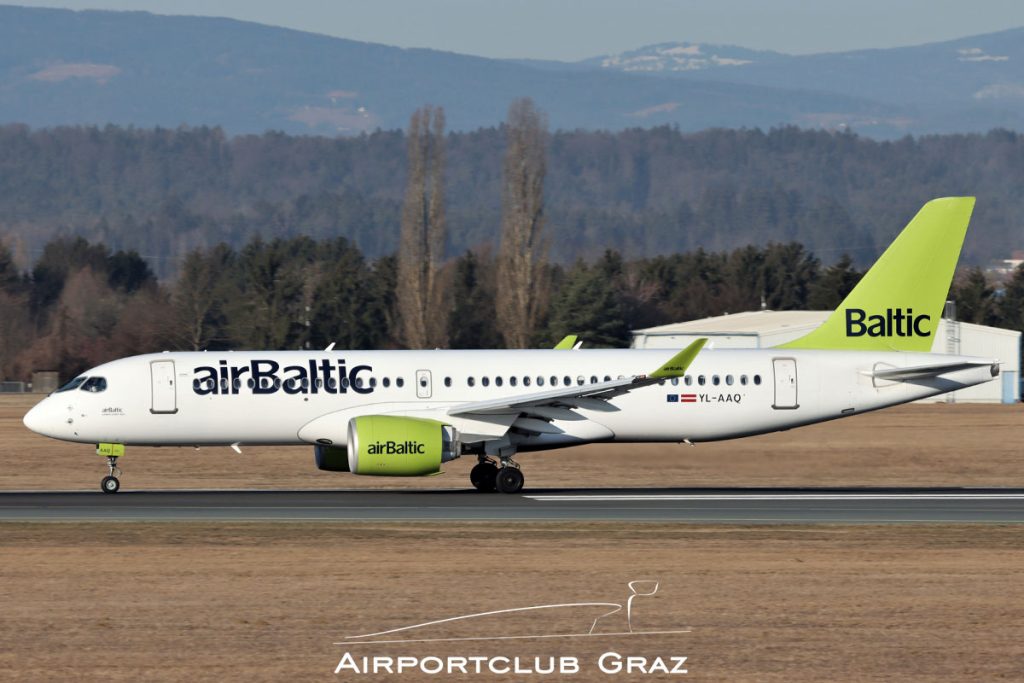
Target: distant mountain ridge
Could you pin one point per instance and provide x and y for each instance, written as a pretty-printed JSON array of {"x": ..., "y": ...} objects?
[{"x": 59, "y": 67}]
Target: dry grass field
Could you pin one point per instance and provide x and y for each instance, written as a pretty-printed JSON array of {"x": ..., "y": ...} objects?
[
  {"x": 266, "y": 602},
  {"x": 915, "y": 445}
]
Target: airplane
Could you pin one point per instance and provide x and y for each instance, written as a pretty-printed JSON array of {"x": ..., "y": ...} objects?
[{"x": 407, "y": 412}]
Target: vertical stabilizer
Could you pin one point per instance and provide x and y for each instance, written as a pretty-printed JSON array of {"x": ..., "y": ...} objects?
[{"x": 897, "y": 304}]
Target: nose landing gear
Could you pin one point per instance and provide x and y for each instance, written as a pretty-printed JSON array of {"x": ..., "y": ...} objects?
[
  {"x": 110, "y": 483},
  {"x": 111, "y": 451}
]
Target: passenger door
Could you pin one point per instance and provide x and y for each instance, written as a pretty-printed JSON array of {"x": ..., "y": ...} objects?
[
  {"x": 165, "y": 396},
  {"x": 785, "y": 384}
]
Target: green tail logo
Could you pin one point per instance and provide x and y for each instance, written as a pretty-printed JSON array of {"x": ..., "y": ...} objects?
[{"x": 897, "y": 304}]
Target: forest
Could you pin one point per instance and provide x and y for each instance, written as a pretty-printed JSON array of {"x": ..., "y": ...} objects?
[
  {"x": 83, "y": 303},
  {"x": 641, "y": 192}
]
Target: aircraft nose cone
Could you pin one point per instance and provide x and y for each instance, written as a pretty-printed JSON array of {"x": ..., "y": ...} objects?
[{"x": 35, "y": 419}]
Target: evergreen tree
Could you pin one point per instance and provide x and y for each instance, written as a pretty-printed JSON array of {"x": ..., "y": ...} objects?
[
  {"x": 975, "y": 299},
  {"x": 472, "y": 324},
  {"x": 589, "y": 304},
  {"x": 835, "y": 282}
]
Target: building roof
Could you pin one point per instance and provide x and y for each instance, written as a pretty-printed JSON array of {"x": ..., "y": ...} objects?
[
  {"x": 749, "y": 322},
  {"x": 767, "y": 322}
]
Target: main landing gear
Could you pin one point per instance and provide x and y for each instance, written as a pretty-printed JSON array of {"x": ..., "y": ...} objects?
[
  {"x": 110, "y": 483},
  {"x": 487, "y": 476}
]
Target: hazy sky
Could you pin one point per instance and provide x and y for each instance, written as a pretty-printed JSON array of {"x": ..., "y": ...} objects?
[{"x": 574, "y": 29}]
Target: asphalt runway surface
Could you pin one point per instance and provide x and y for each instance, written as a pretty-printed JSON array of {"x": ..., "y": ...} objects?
[{"x": 744, "y": 506}]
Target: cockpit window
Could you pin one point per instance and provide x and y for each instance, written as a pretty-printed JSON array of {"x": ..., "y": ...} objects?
[
  {"x": 95, "y": 385},
  {"x": 72, "y": 385}
]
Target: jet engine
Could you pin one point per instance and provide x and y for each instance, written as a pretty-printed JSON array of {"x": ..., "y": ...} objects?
[{"x": 387, "y": 445}]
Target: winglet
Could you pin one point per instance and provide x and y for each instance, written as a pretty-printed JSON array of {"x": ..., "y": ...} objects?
[
  {"x": 567, "y": 343},
  {"x": 677, "y": 364}
]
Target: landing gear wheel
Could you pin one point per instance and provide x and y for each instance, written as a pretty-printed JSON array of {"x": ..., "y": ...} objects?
[
  {"x": 483, "y": 476},
  {"x": 509, "y": 480},
  {"x": 110, "y": 483}
]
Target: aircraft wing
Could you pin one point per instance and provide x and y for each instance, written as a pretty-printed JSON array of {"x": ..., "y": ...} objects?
[
  {"x": 590, "y": 396},
  {"x": 927, "y": 371}
]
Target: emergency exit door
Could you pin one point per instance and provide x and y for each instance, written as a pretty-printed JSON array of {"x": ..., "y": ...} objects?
[
  {"x": 165, "y": 396},
  {"x": 423, "y": 388},
  {"x": 785, "y": 383}
]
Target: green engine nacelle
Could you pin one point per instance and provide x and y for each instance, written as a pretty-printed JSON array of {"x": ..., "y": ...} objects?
[{"x": 386, "y": 445}]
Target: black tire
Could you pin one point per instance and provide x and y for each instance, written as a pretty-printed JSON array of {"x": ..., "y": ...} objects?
[
  {"x": 110, "y": 485},
  {"x": 483, "y": 476},
  {"x": 509, "y": 480}
]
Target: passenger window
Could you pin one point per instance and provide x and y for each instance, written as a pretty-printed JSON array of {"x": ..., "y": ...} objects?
[
  {"x": 757, "y": 379},
  {"x": 471, "y": 382},
  {"x": 688, "y": 380},
  {"x": 526, "y": 381},
  {"x": 447, "y": 381},
  {"x": 498, "y": 381},
  {"x": 387, "y": 382},
  {"x": 661, "y": 382},
  {"x": 72, "y": 385},
  {"x": 512, "y": 381},
  {"x": 581, "y": 380},
  {"x": 251, "y": 383},
  {"x": 728, "y": 380},
  {"x": 593, "y": 379},
  {"x": 331, "y": 383},
  {"x": 95, "y": 385},
  {"x": 344, "y": 383},
  {"x": 358, "y": 384},
  {"x": 675, "y": 381},
  {"x": 554, "y": 381},
  {"x": 373, "y": 383},
  {"x": 399, "y": 382},
  {"x": 715, "y": 380},
  {"x": 607, "y": 378},
  {"x": 540, "y": 381},
  {"x": 485, "y": 381},
  {"x": 743, "y": 380},
  {"x": 700, "y": 380}
]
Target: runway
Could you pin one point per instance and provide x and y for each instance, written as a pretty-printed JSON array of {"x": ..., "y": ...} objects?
[{"x": 738, "y": 506}]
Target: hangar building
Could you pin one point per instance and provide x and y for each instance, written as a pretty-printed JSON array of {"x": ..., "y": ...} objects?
[{"x": 764, "y": 329}]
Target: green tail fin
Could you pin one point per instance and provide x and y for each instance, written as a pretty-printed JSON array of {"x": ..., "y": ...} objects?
[{"x": 897, "y": 304}]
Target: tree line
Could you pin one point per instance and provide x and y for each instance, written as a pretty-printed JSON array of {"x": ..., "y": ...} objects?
[
  {"x": 82, "y": 303},
  {"x": 642, "y": 192}
]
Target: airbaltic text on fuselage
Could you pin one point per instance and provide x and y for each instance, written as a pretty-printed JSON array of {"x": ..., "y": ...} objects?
[
  {"x": 895, "y": 323},
  {"x": 268, "y": 377}
]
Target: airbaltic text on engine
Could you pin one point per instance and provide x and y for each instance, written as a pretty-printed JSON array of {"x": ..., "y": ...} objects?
[
  {"x": 268, "y": 377},
  {"x": 894, "y": 323},
  {"x": 395, "y": 448}
]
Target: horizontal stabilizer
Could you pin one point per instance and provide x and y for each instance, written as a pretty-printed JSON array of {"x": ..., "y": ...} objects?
[{"x": 930, "y": 371}]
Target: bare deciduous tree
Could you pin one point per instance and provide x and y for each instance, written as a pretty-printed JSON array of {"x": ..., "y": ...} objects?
[
  {"x": 522, "y": 263},
  {"x": 420, "y": 291}
]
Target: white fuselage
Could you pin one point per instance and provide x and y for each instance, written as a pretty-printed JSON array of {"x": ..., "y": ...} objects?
[{"x": 178, "y": 399}]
